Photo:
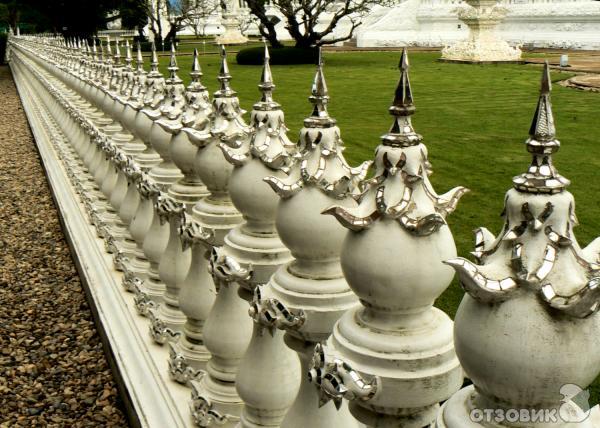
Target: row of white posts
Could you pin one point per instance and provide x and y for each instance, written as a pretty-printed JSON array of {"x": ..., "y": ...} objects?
[{"x": 278, "y": 315}]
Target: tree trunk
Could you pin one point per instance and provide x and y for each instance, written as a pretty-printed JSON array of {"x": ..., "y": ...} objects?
[
  {"x": 266, "y": 27},
  {"x": 305, "y": 42},
  {"x": 171, "y": 34},
  {"x": 270, "y": 34}
]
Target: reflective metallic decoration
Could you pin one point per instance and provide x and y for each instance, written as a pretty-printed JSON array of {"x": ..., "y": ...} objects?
[
  {"x": 173, "y": 267},
  {"x": 203, "y": 413},
  {"x": 337, "y": 380},
  {"x": 179, "y": 368},
  {"x": 225, "y": 269},
  {"x": 142, "y": 302},
  {"x": 226, "y": 332},
  {"x": 252, "y": 251},
  {"x": 401, "y": 161},
  {"x": 268, "y": 142},
  {"x": 229, "y": 124},
  {"x": 322, "y": 163},
  {"x": 272, "y": 314},
  {"x": 174, "y": 102},
  {"x": 198, "y": 112},
  {"x": 117, "y": 69},
  {"x": 159, "y": 330}
]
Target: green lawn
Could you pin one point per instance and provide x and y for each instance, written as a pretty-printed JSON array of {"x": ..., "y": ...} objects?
[{"x": 474, "y": 120}]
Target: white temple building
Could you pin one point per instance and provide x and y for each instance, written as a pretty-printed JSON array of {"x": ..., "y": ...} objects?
[{"x": 566, "y": 24}]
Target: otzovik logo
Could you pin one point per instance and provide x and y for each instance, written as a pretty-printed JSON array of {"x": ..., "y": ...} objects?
[{"x": 575, "y": 408}]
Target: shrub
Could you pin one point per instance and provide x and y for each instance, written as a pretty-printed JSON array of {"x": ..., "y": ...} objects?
[
  {"x": 279, "y": 56},
  {"x": 3, "y": 37}
]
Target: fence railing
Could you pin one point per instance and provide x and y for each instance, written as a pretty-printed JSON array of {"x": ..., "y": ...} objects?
[{"x": 245, "y": 280}]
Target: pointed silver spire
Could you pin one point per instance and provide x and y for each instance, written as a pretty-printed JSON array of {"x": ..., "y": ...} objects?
[
  {"x": 128, "y": 58},
  {"x": 154, "y": 62},
  {"x": 101, "y": 51},
  {"x": 542, "y": 126},
  {"x": 108, "y": 51},
  {"x": 117, "y": 53},
  {"x": 402, "y": 133},
  {"x": 173, "y": 68},
  {"x": 196, "y": 72},
  {"x": 542, "y": 176},
  {"x": 139, "y": 59},
  {"x": 224, "y": 77},
  {"x": 319, "y": 98},
  {"x": 266, "y": 85}
]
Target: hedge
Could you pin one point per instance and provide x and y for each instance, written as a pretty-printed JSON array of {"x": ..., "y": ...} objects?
[{"x": 279, "y": 56}]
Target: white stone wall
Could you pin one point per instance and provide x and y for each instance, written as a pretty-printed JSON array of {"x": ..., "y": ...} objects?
[{"x": 559, "y": 24}]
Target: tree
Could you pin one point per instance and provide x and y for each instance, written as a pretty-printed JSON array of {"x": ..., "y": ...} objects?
[
  {"x": 304, "y": 16},
  {"x": 9, "y": 13},
  {"x": 198, "y": 17},
  {"x": 73, "y": 18},
  {"x": 155, "y": 11},
  {"x": 174, "y": 13},
  {"x": 178, "y": 13},
  {"x": 133, "y": 15}
]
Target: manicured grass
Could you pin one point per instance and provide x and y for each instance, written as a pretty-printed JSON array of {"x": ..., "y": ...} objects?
[{"x": 474, "y": 119}]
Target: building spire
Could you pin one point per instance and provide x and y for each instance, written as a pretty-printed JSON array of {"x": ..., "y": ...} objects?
[
  {"x": 542, "y": 176},
  {"x": 402, "y": 133},
  {"x": 94, "y": 50},
  {"x": 319, "y": 98},
  {"x": 224, "y": 77}
]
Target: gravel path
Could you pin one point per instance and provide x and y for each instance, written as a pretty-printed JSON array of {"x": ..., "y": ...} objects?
[{"x": 53, "y": 372}]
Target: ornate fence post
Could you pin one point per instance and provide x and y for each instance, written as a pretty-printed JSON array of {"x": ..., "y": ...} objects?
[
  {"x": 216, "y": 212},
  {"x": 147, "y": 105},
  {"x": 523, "y": 329},
  {"x": 196, "y": 115},
  {"x": 228, "y": 328},
  {"x": 267, "y": 380},
  {"x": 310, "y": 292},
  {"x": 132, "y": 104},
  {"x": 166, "y": 121},
  {"x": 386, "y": 354},
  {"x": 188, "y": 357},
  {"x": 174, "y": 265},
  {"x": 130, "y": 76}
]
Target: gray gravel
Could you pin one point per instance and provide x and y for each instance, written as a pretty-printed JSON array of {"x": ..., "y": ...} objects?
[{"x": 53, "y": 371}]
